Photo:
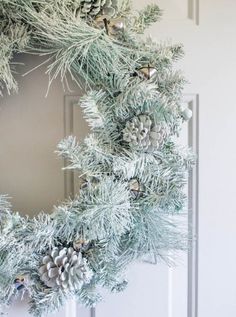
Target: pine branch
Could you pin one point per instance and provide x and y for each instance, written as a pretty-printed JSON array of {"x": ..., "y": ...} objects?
[
  {"x": 119, "y": 226},
  {"x": 105, "y": 209},
  {"x": 146, "y": 17}
]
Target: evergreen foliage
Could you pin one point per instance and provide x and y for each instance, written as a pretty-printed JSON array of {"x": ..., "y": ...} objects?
[{"x": 117, "y": 226}]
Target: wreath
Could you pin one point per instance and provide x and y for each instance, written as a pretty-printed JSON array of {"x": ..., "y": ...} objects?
[{"x": 130, "y": 202}]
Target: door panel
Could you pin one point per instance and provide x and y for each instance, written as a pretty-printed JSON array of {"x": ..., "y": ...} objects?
[
  {"x": 158, "y": 290},
  {"x": 30, "y": 128}
]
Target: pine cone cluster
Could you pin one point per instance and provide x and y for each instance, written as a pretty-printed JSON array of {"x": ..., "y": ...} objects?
[
  {"x": 94, "y": 8},
  {"x": 65, "y": 268},
  {"x": 143, "y": 133}
]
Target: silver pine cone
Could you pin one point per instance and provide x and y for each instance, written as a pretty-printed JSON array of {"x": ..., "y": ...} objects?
[
  {"x": 65, "y": 268},
  {"x": 95, "y": 8},
  {"x": 143, "y": 133}
]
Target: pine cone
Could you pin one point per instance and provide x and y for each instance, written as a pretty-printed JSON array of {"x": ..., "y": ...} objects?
[
  {"x": 65, "y": 268},
  {"x": 94, "y": 8},
  {"x": 142, "y": 132}
]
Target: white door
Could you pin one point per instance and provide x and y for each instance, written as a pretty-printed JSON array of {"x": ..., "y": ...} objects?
[{"x": 204, "y": 284}]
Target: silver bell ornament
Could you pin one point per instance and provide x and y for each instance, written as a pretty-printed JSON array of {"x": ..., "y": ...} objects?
[
  {"x": 112, "y": 26},
  {"x": 116, "y": 25},
  {"x": 65, "y": 268},
  {"x": 134, "y": 184},
  {"x": 147, "y": 71},
  {"x": 136, "y": 188},
  {"x": 186, "y": 114},
  {"x": 20, "y": 283},
  {"x": 101, "y": 21},
  {"x": 93, "y": 181}
]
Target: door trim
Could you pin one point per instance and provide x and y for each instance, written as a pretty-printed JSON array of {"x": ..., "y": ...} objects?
[
  {"x": 192, "y": 101},
  {"x": 193, "y": 10}
]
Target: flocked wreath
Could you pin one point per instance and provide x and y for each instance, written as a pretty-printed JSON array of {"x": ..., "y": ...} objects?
[{"x": 134, "y": 172}]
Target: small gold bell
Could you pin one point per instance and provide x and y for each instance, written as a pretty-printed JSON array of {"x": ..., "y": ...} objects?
[{"x": 147, "y": 71}]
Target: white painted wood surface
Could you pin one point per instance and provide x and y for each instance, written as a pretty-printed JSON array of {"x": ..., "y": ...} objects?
[
  {"x": 31, "y": 173},
  {"x": 210, "y": 65}
]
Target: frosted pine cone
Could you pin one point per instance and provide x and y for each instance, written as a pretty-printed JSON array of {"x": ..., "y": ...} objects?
[
  {"x": 65, "y": 268},
  {"x": 94, "y": 8},
  {"x": 142, "y": 132}
]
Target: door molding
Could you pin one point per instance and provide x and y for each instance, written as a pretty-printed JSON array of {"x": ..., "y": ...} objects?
[
  {"x": 192, "y": 101},
  {"x": 69, "y": 104},
  {"x": 193, "y": 10},
  {"x": 73, "y": 309}
]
